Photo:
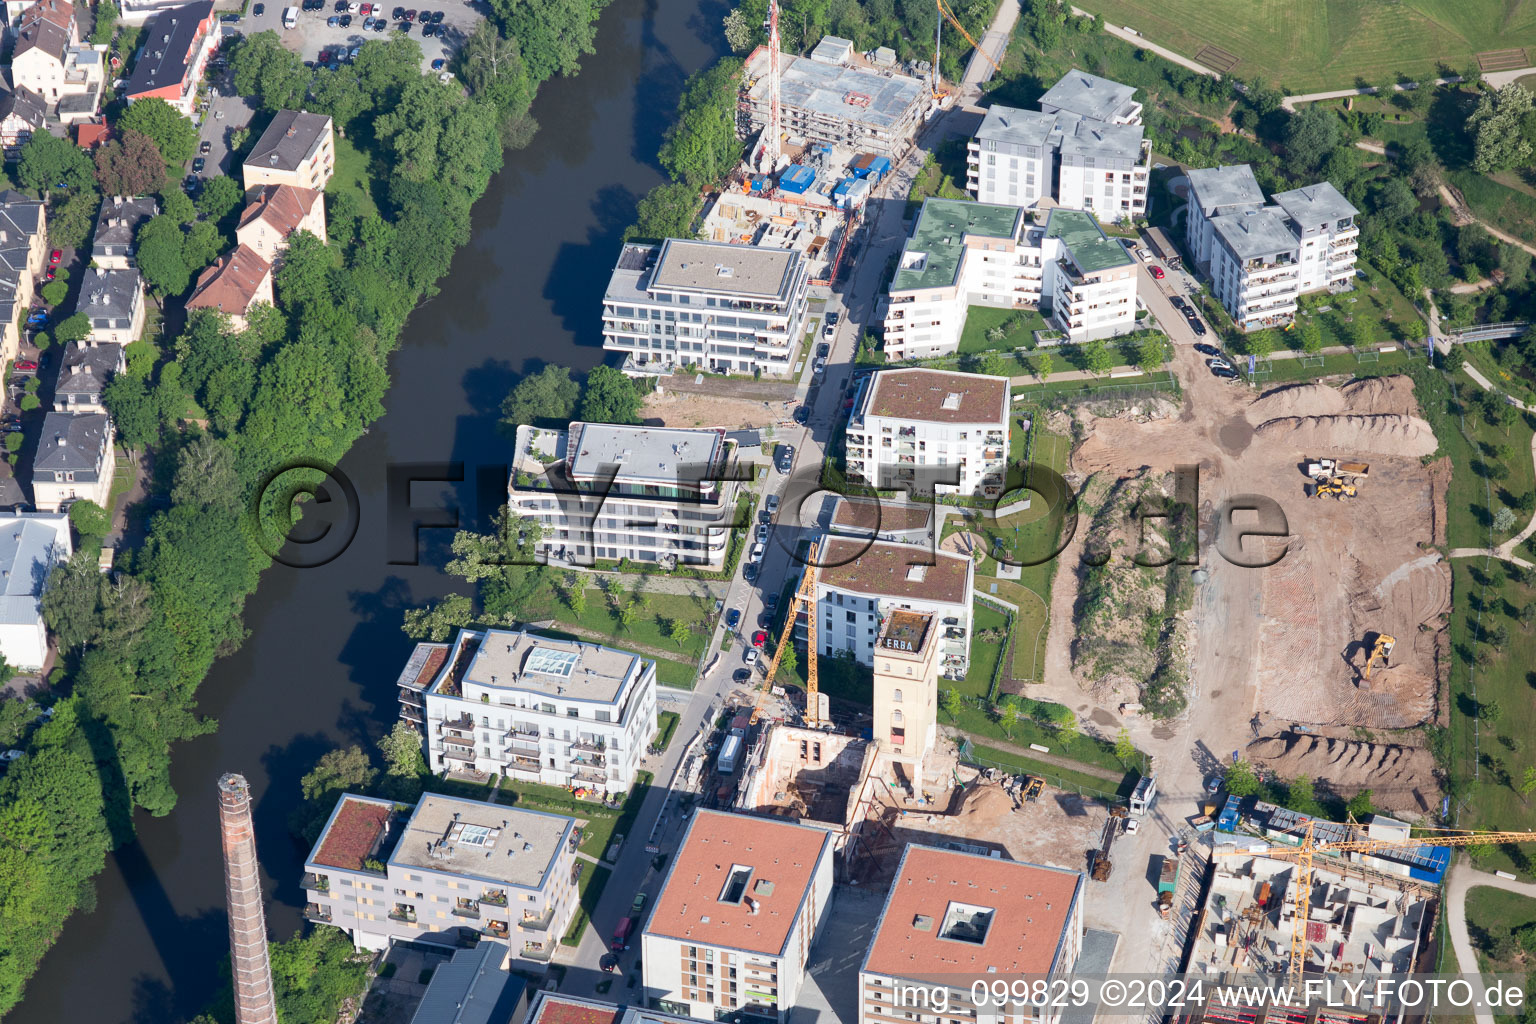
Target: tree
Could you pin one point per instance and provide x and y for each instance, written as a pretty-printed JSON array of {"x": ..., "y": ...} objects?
[
  {"x": 680, "y": 633},
  {"x": 173, "y": 135},
  {"x": 1311, "y": 335},
  {"x": 1498, "y": 143},
  {"x": 739, "y": 32},
  {"x": 72, "y": 221},
  {"x": 268, "y": 72},
  {"x": 789, "y": 661},
  {"x": 160, "y": 257},
  {"x": 1125, "y": 750},
  {"x": 701, "y": 146},
  {"x": 337, "y": 772},
  {"x": 200, "y": 246},
  {"x": 54, "y": 292},
  {"x": 991, "y": 363},
  {"x": 1043, "y": 364},
  {"x": 1151, "y": 353},
  {"x": 1528, "y": 781},
  {"x": 666, "y": 211},
  {"x": 629, "y": 611},
  {"x": 493, "y": 69},
  {"x": 1241, "y": 780},
  {"x": 1360, "y": 805},
  {"x": 1008, "y": 716},
  {"x": 1503, "y": 520},
  {"x": 72, "y": 328},
  {"x": 401, "y": 749},
  {"x": 1301, "y": 796},
  {"x": 576, "y": 600},
  {"x": 609, "y": 397},
  {"x": 1310, "y": 135},
  {"x": 440, "y": 620},
  {"x": 48, "y": 162},
  {"x": 16, "y": 714},
  {"x": 553, "y": 33},
  {"x": 130, "y": 165},
  {"x": 69, "y": 601},
  {"x": 545, "y": 398},
  {"x": 135, "y": 410},
  {"x": 1097, "y": 358},
  {"x": 1489, "y": 711},
  {"x": 952, "y": 703},
  {"x": 89, "y": 519},
  {"x": 1393, "y": 200},
  {"x": 219, "y": 196},
  {"x": 107, "y": 14}
]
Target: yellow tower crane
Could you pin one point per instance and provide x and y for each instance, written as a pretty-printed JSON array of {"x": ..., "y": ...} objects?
[
  {"x": 1303, "y": 854},
  {"x": 945, "y": 14},
  {"x": 805, "y": 596}
]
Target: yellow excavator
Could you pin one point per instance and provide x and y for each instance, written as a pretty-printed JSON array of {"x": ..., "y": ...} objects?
[{"x": 1382, "y": 649}]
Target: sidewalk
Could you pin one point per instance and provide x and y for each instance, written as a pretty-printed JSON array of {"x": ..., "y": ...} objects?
[
  {"x": 1505, "y": 551},
  {"x": 1133, "y": 37}
]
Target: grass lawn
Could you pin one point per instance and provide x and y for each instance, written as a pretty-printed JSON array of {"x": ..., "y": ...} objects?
[
  {"x": 590, "y": 889},
  {"x": 984, "y": 654},
  {"x": 666, "y": 725},
  {"x": 1162, "y": 380},
  {"x": 1062, "y": 778},
  {"x": 1285, "y": 370},
  {"x": 1492, "y": 912},
  {"x": 351, "y": 175},
  {"x": 652, "y": 625},
  {"x": 1315, "y": 45},
  {"x": 1078, "y": 747},
  {"x": 1017, "y": 325},
  {"x": 1508, "y": 209}
]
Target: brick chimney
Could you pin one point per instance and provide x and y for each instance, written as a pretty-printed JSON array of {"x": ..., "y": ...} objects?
[{"x": 254, "y": 999}]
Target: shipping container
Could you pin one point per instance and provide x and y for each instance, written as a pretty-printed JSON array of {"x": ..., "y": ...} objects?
[{"x": 797, "y": 179}]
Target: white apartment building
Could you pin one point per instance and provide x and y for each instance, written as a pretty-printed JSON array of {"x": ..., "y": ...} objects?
[
  {"x": 860, "y": 584},
  {"x": 444, "y": 872},
  {"x": 609, "y": 491},
  {"x": 1085, "y": 149},
  {"x": 504, "y": 702},
  {"x": 964, "y": 254},
  {"x": 728, "y": 308},
  {"x": 969, "y": 917},
  {"x": 1262, "y": 259},
  {"x": 733, "y": 925},
  {"x": 905, "y": 419}
]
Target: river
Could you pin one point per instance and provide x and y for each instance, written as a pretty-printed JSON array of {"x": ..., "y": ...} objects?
[{"x": 325, "y": 644}]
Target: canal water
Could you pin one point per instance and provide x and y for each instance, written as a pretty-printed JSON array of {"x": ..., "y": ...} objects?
[{"x": 325, "y": 643}]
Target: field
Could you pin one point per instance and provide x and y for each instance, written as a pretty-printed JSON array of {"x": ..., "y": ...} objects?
[
  {"x": 1316, "y": 45},
  {"x": 1508, "y": 209},
  {"x": 1492, "y": 913}
]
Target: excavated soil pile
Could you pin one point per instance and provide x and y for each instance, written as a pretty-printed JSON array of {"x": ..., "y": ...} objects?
[
  {"x": 1405, "y": 436},
  {"x": 1377, "y": 396},
  {"x": 986, "y": 802},
  {"x": 1400, "y": 778}
]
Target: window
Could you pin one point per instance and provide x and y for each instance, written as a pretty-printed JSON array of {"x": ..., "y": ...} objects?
[
  {"x": 896, "y": 696},
  {"x": 572, "y": 712}
]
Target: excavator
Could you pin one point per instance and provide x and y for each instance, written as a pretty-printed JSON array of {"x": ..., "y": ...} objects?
[{"x": 1382, "y": 649}]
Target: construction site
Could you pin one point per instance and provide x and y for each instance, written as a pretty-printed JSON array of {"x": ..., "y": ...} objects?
[
  {"x": 1334, "y": 627},
  {"x": 819, "y": 232}
]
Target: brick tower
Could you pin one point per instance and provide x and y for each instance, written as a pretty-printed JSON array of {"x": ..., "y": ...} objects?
[{"x": 254, "y": 1000}]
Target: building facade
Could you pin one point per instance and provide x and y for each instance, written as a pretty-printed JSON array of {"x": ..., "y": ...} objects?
[
  {"x": 1085, "y": 149},
  {"x": 728, "y": 308},
  {"x": 178, "y": 43},
  {"x": 117, "y": 226},
  {"x": 114, "y": 302},
  {"x": 23, "y": 255},
  {"x": 297, "y": 149},
  {"x": 861, "y": 584},
  {"x": 74, "y": 460},
  {"x": 931, "y": 430},
  {"x": 964, "y": 254},
  {"x": 22, "y": 114},
  {"x": 275, "y": 213},
  {"x": 501, "y": 702},
  {"x": 607, "y": 491},
  {"x": 443, "y": 872},
  {"x": 967, "y": 917},
  {"x": 31, "y": 544},
  {"x": 905, "y": 690},
  {"x": 88, "y": 365},
  {"x": 1262, "y": 258},
  {"x": 733, "y": 925},
  {"x": 233, "y": 285}
]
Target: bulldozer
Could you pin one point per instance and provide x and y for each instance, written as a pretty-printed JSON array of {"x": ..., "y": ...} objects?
[{"x": 1382, "y": 649}]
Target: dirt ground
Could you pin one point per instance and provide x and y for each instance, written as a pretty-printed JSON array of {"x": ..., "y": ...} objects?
[
  {"x": 1289, "y": 639},
  {"x": 680, "y": 409},
  {"x": 1400, "y": 778}
]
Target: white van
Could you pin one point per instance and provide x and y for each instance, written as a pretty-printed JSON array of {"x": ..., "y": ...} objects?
[{"x": 290, "y": 17}]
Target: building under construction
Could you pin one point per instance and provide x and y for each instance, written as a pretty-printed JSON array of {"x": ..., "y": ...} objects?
[{"x": 835, "y": 99}]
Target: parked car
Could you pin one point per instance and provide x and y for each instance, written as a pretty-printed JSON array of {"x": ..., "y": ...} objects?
[
  {"x": 1157, "y": 272},
  {"x": 205, "y": 147},
  {"x": 9, "y": 755},
  {"x": 379, "y": 24},
  {"x": 427, "y": 29},
  {"x": 829, "y": 331},
  {"x": 437, "y": 17},
  {"x": 1177, "y": 301},
  {"x": 762, "y": 533},
  {"x": 52, "y": 273},
  {"x": 258, "y": 10},
  {"x": 1207, "y": 350},
  {"x": 758, "y": 550},
  {"x": 741, "y": 675},
  {"x": 331, "y": 22},
  {"x": 346, "y": 21},
  {"x": 772, "y": 604},
  {"x": 1225, "y": 373},
  {"x": 759, "y": 638},
  {"x": 802, "y": 415},
  {"x": 55, "y": 256},
  {"x": 609, "y": 962},
  {"x": 751, "y": 656},
  {"x": 410, "y": 15},
  {"x": 439, "y": 64},
  {"x": 638, "y": 905},
  {"x": 1218, "y": 364},
  {"x": 1199, "y": 327},
  {"x": 198, "y": 163},
  {"x": 355, "y": 7},
  {"x": 772, "y": 504},
  {"x": 733, "y": 618},
  {"x": 26, "y": 366},
  {"x": 823, "y": 350}
]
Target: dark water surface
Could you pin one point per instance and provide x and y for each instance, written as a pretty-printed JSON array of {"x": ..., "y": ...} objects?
[{"x": 325, "y": 645}]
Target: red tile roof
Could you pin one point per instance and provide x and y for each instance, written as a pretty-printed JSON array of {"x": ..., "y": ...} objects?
[
  {"x": 555, "y": 1010},
  {"x": 89, "y": 135},
  {"x": 231, "y": 284},
  {"x": 282, "y": 206},
  {"x": 1030, "y": 904},
  {"x": 352, "y": 835},
  {"x": 780, "y": 853}
]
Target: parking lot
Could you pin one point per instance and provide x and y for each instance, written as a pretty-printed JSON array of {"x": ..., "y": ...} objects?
[{"x": 314, "y": 35}]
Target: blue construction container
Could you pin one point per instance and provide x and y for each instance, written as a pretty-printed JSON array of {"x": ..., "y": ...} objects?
[
  {"x": 840, "y": 190},
  {"x": 797, "y": 179},
  {"x": 878, "y": 168},
  {"x": 759, "y": 183},
  {"x": 1227, "y": 821}
]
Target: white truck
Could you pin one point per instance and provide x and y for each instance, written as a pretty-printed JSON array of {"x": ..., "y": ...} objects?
[{"x": 290, "y": 17}]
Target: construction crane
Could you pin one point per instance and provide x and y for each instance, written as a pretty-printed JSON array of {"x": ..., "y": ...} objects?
[
  {"x": 945, "y": 14},
  {"x": 1382, "y": 649},
  {"x": 768, "y": 152},
  {"x": 805, "y": 596},
  {"x": 1308, "y": 848}
]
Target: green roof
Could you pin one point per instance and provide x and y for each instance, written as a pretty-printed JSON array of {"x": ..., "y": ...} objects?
[
  {"x": 1083, "y": 237},
  {"x": 941, "y": 225}
]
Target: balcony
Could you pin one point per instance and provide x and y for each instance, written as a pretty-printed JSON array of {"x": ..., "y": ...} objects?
[
  {"x": 403, "y": 913},
  {"x": 495, "y": 929},
  {"x": 466, "y": 908},
  {"x": 412, "y": 715},
  {"x": 317, "y": 883},
  {"x": 410, "y": 696},
  {"x": 463, "y": 723},
  {"x": 459, "y": 754},
  {"x": 493, "y": 898},
  {"x": 537, "y": 922},
  {"x": 543, "y": 952},
  {"x": 589, "y": 776},
  {"x": 315, "y": 912},
  {"x": 522, "y": 762}
]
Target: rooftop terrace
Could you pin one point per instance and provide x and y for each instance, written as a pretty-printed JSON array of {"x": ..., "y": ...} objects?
[
  {"x": 480, "y": 840},
  {"x": 1091, "y": 250}
]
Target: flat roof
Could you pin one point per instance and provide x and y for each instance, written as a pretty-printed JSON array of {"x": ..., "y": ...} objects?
[
  {"x": 700, "y": 901},
  {"x": 884, "y": 569},
  {"x": 1217, "y": 187},
  {"x": 423, "y": 665},
  {"x": 906, "y": 632},
  {"x": 487, "y": 841},
  {"x": 553, "y": 1008},
  {"x": 1088, "y": 95},
  {"x": 1097, "y": 139},
  {"x": 871, "y": 515},
  {"x": 1315, "y": 205},
  {"x": 725, "y": 267},
  {"x": 1091, "y": 249},
  {"x": 1255, "y": 233},
  {"x": 654, "y": 454},
  {"x": 1025, "y": 909},
  {"x": 1015, "y": 126},
  {"x": 879, "y": 100},
  {"x": 353, "y": 833},
  {"x": 513, "y": 660},
  {"x": 938, "y": 396},
  {"x": 939, "y": 234}
]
